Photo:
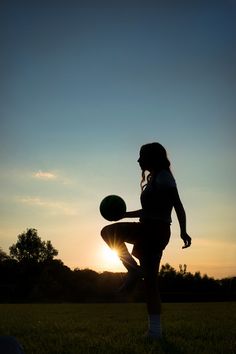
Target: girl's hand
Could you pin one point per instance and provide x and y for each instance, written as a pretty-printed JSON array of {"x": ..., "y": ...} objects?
[{"x": 187, "y": 240}]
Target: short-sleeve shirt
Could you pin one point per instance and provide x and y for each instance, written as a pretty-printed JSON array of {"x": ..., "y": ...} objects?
[{"x": 156, "y": 198}]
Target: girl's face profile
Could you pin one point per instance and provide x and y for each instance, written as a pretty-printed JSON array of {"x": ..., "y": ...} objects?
[{"x": 143, "y": 163}]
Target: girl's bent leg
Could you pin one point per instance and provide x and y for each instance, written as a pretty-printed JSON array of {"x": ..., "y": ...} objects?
[{"x": 115, "y": 236}]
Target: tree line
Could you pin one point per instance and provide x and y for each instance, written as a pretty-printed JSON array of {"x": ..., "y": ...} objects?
[{"x": 30, "y": 273}]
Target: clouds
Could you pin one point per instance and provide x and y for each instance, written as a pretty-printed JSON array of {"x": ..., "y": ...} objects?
[
  {"x": 44, "y": 175},
  {"x": 48, "y": 176},
  {"x": 52, "y": 206},
  {"x": 45, "y": 192}
]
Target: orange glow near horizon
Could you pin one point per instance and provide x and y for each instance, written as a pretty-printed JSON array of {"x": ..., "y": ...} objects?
[{"x": 110, "y": 258}]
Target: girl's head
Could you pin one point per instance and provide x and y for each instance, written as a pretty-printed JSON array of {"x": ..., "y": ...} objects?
[{"x": 153, "y": 158}]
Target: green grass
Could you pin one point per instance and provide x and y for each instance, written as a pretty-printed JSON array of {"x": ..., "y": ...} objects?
[{"x": 189, "y": 328}]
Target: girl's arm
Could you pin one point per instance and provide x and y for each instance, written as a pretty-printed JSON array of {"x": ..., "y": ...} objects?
[
  {"x": 181, "y": 215},
  {"x": 133, "y": 214}
]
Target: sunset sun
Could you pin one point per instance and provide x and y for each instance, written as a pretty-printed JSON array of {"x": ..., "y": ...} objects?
[{"x": 110, "y": 257}]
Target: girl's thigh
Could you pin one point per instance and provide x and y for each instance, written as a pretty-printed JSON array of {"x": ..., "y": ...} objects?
[{"x": 129, "y": 232}]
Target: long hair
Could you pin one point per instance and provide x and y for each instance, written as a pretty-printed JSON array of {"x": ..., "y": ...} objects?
[{"x": 156, "y": 156}]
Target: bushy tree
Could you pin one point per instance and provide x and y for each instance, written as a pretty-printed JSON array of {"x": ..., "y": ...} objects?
[{"x": 30, "y": 247}]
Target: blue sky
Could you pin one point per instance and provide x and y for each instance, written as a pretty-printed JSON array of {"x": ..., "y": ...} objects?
[{"x": 85, "y": 84}]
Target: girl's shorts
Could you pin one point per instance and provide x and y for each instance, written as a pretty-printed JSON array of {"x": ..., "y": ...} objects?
[{"x": 149, "y": 238}]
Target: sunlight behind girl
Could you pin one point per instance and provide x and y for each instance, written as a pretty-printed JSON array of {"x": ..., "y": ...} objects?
[{"x": 110, "y": 257}]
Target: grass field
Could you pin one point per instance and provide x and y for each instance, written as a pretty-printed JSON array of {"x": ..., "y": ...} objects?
[{"x": 189, "y": 328}]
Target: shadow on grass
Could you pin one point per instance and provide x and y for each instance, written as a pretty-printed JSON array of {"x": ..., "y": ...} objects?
[{"x": 169, "y": 347}]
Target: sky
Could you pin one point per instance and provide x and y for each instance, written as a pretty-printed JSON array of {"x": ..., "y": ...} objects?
[{"x": 83, "y": 85}]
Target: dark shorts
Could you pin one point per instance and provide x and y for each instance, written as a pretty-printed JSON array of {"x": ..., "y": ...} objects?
[{"x": 149, "y": 238}]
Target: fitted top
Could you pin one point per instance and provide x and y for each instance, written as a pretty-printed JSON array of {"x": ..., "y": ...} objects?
[{"x": 156, "y": 200}]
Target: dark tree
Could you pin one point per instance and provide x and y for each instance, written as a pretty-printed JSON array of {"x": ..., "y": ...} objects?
[{"x": 30, "y": 248}]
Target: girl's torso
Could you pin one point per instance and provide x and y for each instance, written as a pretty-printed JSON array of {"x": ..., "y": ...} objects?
[{"x": 156, "y": 198}]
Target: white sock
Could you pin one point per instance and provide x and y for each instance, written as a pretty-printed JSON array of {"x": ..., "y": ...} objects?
[{"x": 154, "y": 322}]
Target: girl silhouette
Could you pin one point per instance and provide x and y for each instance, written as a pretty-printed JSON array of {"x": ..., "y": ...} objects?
[{"x": 151, "y": 234}]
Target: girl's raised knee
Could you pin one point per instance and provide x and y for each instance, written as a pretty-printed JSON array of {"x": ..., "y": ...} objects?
[{"x": 105, "y": 232}]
